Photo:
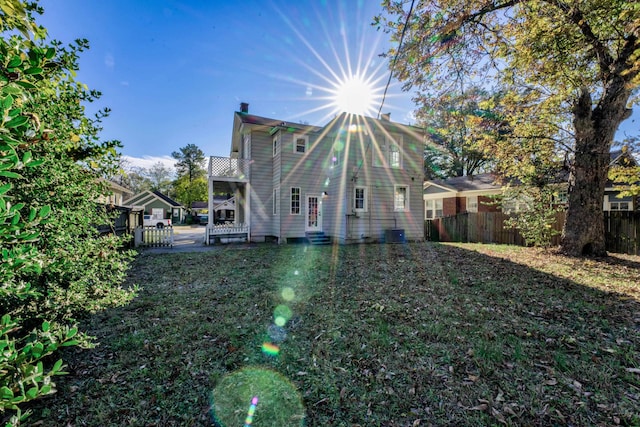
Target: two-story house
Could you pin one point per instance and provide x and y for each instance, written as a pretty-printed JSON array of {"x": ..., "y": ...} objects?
[{"x": 356, "y": 179}]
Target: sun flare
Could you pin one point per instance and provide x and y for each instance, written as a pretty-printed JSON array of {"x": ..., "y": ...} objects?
[{"x": 355, "y": 95}]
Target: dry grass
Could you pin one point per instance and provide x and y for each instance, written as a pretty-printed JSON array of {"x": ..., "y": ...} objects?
[{"x": 384, "y": 335}]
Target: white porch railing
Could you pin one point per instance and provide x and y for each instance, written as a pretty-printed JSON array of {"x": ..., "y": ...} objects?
[
  {"x": 215, "y": 233},
  {"x": 227, "y": 167},
  {"x": 153, "y": 237}
]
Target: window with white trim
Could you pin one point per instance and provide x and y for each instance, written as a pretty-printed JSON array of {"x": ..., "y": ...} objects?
[
  {"x": 276, "y": 200},
  {"x": 400, "y": 198},
  {"x": 620, "y": 203},
  {"x": 389, "y": 151},
  {"x": 300, "y": 143},
  {"x": 360, "y": 199},
  {"x": 295, "y": 200},
  {"x": 472, "y": 203},
  {"x": 433, "y": 209},
  {"x": 276, "y": 146}
]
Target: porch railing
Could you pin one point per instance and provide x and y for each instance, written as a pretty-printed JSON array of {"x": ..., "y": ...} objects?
[
  {"x": 215, "y": 233},
  {"x": 227, "y": 167}
]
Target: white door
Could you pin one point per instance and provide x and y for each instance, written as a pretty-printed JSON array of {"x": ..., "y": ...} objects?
[{"x": 314, "y": 214}]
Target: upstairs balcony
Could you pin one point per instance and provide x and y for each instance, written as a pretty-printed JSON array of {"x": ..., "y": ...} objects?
[{"x": 229, "y": 169}]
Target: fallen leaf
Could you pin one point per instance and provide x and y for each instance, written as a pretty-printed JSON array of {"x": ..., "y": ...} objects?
[
  {"x": 417, "y": 422},
  {"x": 498, "y": 416},
  {"x": 552, "y": 381},
  {"x": 633, "y": 370},
  {"x": 481, "y": 407}
]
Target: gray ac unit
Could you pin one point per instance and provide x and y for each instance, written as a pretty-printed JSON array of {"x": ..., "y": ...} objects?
[{"x": 394, "y": 235}]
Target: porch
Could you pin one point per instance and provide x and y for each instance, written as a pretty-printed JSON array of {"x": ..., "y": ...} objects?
[
  {"x": 229, "y": 176},
  {"x": 229, "y": 232}
]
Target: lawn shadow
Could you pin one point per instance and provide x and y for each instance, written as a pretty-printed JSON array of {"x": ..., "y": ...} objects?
[{"x": 375, "y": 335}]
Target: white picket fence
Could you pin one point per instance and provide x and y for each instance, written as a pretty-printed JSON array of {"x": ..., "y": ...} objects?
[{"x": 153, "y": 237}]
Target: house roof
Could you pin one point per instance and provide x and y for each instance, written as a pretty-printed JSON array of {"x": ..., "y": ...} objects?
[
  {"x": 199, "y": 205},
  {"x": 167, "y": 199},
  {"x": 145, "y": 197},
  {"x": 341, "y": 120},
  {"x": 114, "y": 186},
  {"x": 482, "y": 181}
]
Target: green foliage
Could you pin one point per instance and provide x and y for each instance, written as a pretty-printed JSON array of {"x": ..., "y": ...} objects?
[
  {"x": 625, "y": 174},
  {"x": 568, "y": 73},
  {"x": 191, "y": 161},
  {"x": 54, "y": 265},
  {"x": 535, "y": 215},
  {"x": 195, "y": 191},
  {"x": 191, "y": 183},
  {"x": 457, "y": 122}
]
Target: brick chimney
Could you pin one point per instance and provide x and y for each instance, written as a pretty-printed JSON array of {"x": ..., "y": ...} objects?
[{"x": 244, "y": 107}]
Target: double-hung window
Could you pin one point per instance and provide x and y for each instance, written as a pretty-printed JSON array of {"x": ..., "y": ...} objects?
[
  {"x": 300, "y": 143},
  {"x": 295, "y": 200},
  {"x": 360, "y": 199},
  {"x": 400, "y": 198},
  {"x": 389, "y": 151},
  {"x": 433, "y": 209},
  {"x": 276, "y": 146}
]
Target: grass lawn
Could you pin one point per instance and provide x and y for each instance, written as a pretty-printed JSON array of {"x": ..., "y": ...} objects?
[{"x": 372, "y": 335}]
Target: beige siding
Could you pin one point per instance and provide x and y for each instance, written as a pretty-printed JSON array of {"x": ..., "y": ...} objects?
[
  {"x": 306, "y": 171},
  {"x": 348, "y": 226},
  {"x": 261, "y": 185}
]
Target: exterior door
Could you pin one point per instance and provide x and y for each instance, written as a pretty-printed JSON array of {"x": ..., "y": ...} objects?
[{"x": 314, "y": 214}]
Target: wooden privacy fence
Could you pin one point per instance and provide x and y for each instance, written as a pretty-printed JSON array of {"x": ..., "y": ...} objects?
[
  {"x": 622, "y": 230},
  {"x": 154, "y": 237}
]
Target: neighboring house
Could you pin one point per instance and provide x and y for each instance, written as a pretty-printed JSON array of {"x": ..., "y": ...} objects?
[
  {"x": 116, "y": 195},
  {"x": 223, "y": 206},
  {"x": 611, "y": 200},
  {"x": 447, "y": 197},
  {"x": 474, "y": 193},
  {"x": 126, "y": 217},
  {"x": 199, "y": 207},
  {"x": 356, "y": 179},
  {"x": 158, "y": 205}
]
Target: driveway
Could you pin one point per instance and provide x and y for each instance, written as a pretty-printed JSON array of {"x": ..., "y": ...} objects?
[{"x": 186, "y": 238}]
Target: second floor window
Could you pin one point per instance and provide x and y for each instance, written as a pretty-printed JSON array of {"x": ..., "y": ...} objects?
[
  {"x": 389, "y": 151},
  {"x": 295, "y": 201},
  {"x": 300, "y": 143},
  {"x": 276, "y": 147}
]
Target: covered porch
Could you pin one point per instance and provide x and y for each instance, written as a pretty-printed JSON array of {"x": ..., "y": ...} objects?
[{"x": 227, "y": 175}]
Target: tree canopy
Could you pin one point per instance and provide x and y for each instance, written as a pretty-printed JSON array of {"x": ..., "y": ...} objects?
[{"x": 569, "y": 71}]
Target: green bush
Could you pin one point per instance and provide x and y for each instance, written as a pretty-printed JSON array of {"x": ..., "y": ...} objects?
[
  {"x": 536, "y": 214},
  {"x": 55, "y": 267}
]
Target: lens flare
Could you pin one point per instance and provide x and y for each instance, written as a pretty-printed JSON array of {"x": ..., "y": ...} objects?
[
  {"x": 251, "y": 412},
  {"x": 282, "y": 314},
  {"x": 270, "y": 349},
  {"x": 288, "y": 294},
  {"x": 279, "y": 400}
]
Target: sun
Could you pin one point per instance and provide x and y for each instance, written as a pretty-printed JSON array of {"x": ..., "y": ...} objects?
[{"x": 355, "y": 94}]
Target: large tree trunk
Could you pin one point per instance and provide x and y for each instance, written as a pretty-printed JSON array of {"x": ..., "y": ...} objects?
[{"x": 583, "y": 233}]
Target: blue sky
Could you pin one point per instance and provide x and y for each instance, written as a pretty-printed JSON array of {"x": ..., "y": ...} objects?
[{"x": 173, "y": 72}]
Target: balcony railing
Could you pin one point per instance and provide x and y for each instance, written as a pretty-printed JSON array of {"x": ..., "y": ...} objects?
[{"x": 227, "y": 167}]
